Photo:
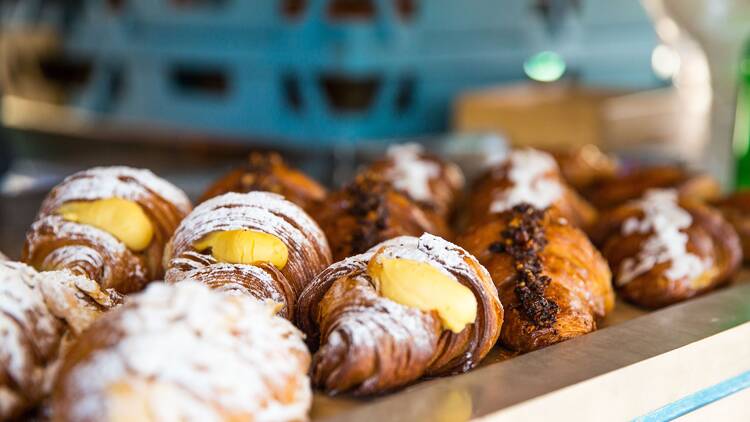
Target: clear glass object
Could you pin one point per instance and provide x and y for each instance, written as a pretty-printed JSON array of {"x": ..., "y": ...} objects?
[{"x": 742, "y": 123}]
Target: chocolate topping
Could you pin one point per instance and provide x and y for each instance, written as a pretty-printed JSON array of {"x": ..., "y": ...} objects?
[
  {"x": 259, "y": 172},
  {"x": 523, "y": 239},
  {"x": 368, "y": 206}
]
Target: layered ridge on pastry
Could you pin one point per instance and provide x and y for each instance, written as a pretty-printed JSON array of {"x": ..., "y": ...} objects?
[
  {"x": 369, "y": 343},
  {"x": 551, "y": 280},
  {"x": 59, "y": 240},
  {"x": 663, "y": 249},
  {"x": 186, "y": 352}
]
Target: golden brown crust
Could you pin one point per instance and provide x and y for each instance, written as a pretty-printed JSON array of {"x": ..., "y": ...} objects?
[
  {"x": 267, "y": 171},
  {"x": 709, "y": 238},
  {"x": 584, "y": 166},
  {"x": 736, "y": 210},
  {"x": 368, "y": 344},
  {"x": 578, "y": 279},
  {"x": 53, "y": 243},
  {"x": 616, "y": 190},
  {"x": 369, "y": 211}
]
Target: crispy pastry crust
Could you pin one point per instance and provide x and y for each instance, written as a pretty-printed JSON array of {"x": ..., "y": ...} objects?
[
  {"x": 368, "y": 344},
  {"x": 736, "y": 210},
  {"x": 369, "y": 211},
  {"x": 53, "y": 243},
  {"x": 267, "y": 171},
  {"x": 573, "y": 276}
]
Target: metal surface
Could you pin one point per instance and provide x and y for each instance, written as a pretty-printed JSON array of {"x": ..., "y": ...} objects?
[{"x": 491, "y": 390}]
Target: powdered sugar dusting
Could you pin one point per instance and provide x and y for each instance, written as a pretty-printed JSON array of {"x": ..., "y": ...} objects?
[
  {"x": 192, "y": 354},
  {"x": 412, "y": 173},
  {"x": 527, "y": 170},
  {"x": 665, "y": 220},
  {"x": 118, "y": 181}
]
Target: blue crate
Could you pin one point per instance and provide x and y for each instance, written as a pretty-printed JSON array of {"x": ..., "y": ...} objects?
[{"x": 245, "y": 68}]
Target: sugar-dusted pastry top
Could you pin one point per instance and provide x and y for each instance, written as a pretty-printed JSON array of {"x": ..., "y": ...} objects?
[
  {"x": 370, "y": 340},
  {"x": 263, "y": 212},
  {"x": 529, "y": 172},
  {"x": 37, "y": 311},
  {"x": 185, "y": 352},
  {"x": 663, "y": 222}
]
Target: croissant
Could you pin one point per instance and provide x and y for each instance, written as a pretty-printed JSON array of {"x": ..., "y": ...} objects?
[
  {"x": 553, "y": 283},
  {"x": 408, "y": 308},
  {"x": 39, "y": 314},
  {"x": 185, "y": 352},
  {"x": 526, "y": 175},
  {"x": 109, "y": 224},
  {"x": 663, "y": 249},
  {"x": 433, "y": 183},
  {"x": 616, "y": 190},
  {"x": 253, "y": 243},
  {"x": 369, "y": 211},
  {"x": 736, "y": 209},
  {"x": 586, "y": 165},
  {"x": 267, "y": 171}
]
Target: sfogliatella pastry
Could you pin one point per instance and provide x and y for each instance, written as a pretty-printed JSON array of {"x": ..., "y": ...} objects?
[
  {"x": 370, "y": 210},
  {"x": 408, "y": 308},
  {"x": 617, "y": 190},
  {"x": 185, "y": 353},
  {"x": 551, "y": 280},
  {"x": 109, "y": 224},
  {"x": 432, "y": 182},
  {"x": 40, "y": 313},
  {"x": 736, "y": 210},
  {"x": 267, "y": 171},
  {"x": 256, "y": 243},
  {"x": 526, "y": 176},
  {"x": 663, "y": 249}
]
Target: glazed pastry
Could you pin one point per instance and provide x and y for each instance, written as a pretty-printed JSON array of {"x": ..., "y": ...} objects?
[
  {"x": 584, "y": 166},
  {"x": 664, "y": 250},
  {"x": 256, "y": 243},
  {"x": 526, "y": 176},
  {"x": 612, "y": 192},
  {"x": 551, "y": 280},
  {"x": 736, "y": 210},
  {"x": 109, "y": 224},
  {"x": 40, "y": 313},
  {"x": 267, "y": 171},
  {"x": 185, "y": 353},
  {"x": 433, "y": 183},
  {"x": 370, "y": 210},
  {"x": 408, "y": 308}
]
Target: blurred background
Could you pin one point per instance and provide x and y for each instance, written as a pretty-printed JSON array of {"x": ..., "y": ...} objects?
[{"x": 188, "y": 87}]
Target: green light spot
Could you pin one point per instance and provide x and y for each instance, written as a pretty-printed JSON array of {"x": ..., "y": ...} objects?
[{"x": 545, "y": 66}]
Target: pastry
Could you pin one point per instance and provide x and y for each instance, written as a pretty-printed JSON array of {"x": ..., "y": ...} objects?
[
  {"x": 613, "y": 191},
  {"x": 40, "y": 313},
  {"x": 256, "y": 243},
  {"x": 432, "y": 182},
  {"x": 370, "y": 210},
  {"x": 267, "y": 171},
  {"x": 663, "y": 249},
  {"x": 408, "y": 308},
  {"x": 109, "y": 224},
  {"x": 551, "y": 280},
  {"x": 185, "y": 353},
  {"x": 736, "y": 210},
  {"x": 526, "y": 175},
  {"x": 584, "y": 166}
]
